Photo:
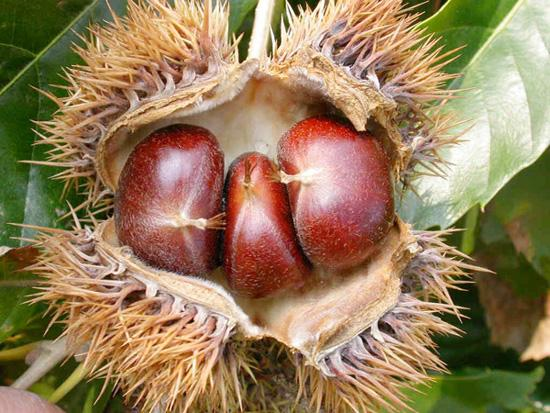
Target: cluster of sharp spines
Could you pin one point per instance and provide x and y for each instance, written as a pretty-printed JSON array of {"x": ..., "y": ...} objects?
[
  {"x": 158, "y": 48},
  {"x": 368, "y": 372},
  {"x": 81, "y": 278},
  {"x": 155, "y": 352},
  {"x": 135, "y": 59},
  {"x": 378, "y": 41}
]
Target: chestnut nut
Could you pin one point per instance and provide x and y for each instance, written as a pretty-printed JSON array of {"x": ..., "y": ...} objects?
[{"x": 335, "y": 208}]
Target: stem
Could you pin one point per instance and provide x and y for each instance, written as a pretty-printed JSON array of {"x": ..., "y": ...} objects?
[
  {"x": 76, "y": 377},
  {"x": 304, "y": 177},
  {"x": 19, "y": 283},
  {"x": 261, "y": 29},
  {"x": 18, "y": 353},
  {"x": 51, "y": 353},
  {"x": 469, "y": 234},
  {"x": 90, "y": 400}
]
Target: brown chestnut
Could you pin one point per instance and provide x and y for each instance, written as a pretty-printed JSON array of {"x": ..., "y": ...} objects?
[
  {"x": 340, "y": 190},
  {"x": 261, "y": 252},
  {"x": 167, "y": 208}
]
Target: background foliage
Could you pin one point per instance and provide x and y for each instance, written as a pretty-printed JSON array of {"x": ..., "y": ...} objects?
[{"x": 502, "y": 166}]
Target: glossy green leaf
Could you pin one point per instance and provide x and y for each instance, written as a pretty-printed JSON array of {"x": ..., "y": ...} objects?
[
  {"x": 508, "y": 82},
  {"x": 467, "y": 24},
  {"x": 477, "y": 391},
  {"x": 26, "y": 193}
]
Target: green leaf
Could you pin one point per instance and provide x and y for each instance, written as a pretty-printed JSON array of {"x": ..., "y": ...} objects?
[
  {"x": 508, "y": 83},
  {"x": 523, "y": 207},
  {"x": 26, "y": 193},
  {"x": 467, "y": 23},
  {"x": 26, "y": 27},
  {"x": 426, "y": 7},
  {"x": 15, "y": 314},
  {"x": 238, "y": 11},
  {"x": 476, "y": 391}
]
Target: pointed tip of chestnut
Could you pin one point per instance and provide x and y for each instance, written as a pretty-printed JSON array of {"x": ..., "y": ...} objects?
[
  {"x": 169, "y": 199},
  {"x": 340, "y": 190},
  {"x": 261, "y": 253}
]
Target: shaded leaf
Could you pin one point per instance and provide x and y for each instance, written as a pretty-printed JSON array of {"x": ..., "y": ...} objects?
[
  {"x": 476, "y": 390},
  {"x": 523, "y": 208},
  {"x": 474, "y": 348},
  {"x": 512, "y": 266},
  {"x": 26, "y": 28},
  {"x": 508, "y": 79},
  {"x": 84, "y": 398},
  {"x": 14, "y": 288},
  {"x": 239, "y": 10},
  {"x": 516, "y": 322},
  {"x": 26, "y": 193}
]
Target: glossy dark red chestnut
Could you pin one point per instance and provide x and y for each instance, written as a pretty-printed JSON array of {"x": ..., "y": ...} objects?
[
  {"x": 340, "y": 190},
  {"x": 168, "y": 204},
  {"x": 261, "y": 252}
]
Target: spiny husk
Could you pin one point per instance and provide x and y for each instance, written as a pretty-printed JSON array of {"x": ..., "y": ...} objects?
[
  {"x": 172, "y": 60},
  {"x": 397, "y": 351},
  {"x": 160, "y": 350},
  {"x": 164, "y": 351},
  {"x": 378, "y": 43},
  {"x": 304, "y": 321},
  {"x": 375, "y": 40}
]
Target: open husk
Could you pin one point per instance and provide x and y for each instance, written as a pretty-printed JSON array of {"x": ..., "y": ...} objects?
[{"x": 183, "y": 343}]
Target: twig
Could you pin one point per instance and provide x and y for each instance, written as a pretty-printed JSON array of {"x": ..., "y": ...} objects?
[
  {"x": 76, "y": 377},
  {"x": 50, "y": 353},
  {"x": 18, "y": 353},
  {"x": 261, "y": 29}
]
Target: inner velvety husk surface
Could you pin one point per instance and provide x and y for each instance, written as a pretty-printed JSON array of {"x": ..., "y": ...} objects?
[
  {"x": 248, "y": 110},
  {"x": 328, "y": 312}
]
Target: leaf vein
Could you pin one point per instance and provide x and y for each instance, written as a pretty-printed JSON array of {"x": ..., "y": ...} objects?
[{"x": 48, "y": 46}]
